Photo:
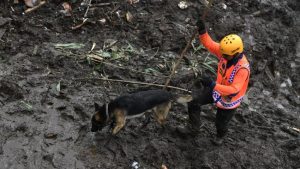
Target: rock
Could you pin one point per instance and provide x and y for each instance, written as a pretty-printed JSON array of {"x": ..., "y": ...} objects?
[
  {"x": 281, "y": 135},
  {"x": 289, "y": 82},
  {"x": 280, "y": 106},
  {"x": 158, "y": 2},
  {"x": 2, "y": 32},
  {"x": 50, "y": 135},
  {"x": 246, "y": 100},
  {"x": 3, "y": 21}
]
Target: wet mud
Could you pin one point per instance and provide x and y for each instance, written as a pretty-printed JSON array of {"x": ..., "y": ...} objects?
[{"x": 47, "y": 92}]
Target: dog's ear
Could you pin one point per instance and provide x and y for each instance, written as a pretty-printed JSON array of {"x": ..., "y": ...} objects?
[
  {"x": 97, "y": 117},
  {"x": 97, "y": 107}
]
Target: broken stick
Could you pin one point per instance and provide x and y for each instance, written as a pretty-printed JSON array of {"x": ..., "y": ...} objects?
[
  {"x": 134, "y": 82},
  {"x": 29, "y": 10},
  {"x": 187, "y": 46},
  {"x": 104, "y": 4},
  {"x": 80, "y": 25}
]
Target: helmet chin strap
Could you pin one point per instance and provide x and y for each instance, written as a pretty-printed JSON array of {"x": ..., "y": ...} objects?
[{"x": 235, "y": 59}]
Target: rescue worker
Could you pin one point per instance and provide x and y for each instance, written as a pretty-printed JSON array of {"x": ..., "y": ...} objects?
[{"x": 227, "y": 90}]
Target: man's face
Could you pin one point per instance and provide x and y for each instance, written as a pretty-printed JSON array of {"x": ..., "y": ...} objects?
[{"x": 227, "y": 57}]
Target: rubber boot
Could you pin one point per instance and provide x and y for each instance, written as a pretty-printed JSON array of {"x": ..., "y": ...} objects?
[
  {"x": 218, "y": 141},
  {"x": 193, "y": 128}
]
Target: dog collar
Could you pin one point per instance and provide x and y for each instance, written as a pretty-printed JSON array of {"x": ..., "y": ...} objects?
[{"x": 106, "y": 111}]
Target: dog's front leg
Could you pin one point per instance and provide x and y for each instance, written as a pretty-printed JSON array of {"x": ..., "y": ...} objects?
[
  {"x": 147, "y": 119},
  {"x": 120, "y": 121},
  {"x": 112, "y": 124}
]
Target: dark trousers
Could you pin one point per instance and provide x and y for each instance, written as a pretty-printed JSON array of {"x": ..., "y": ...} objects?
[{"x": 202, "y": 97}]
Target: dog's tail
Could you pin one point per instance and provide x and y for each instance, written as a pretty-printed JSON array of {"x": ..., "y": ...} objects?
[{"x": 184, "y": 99}]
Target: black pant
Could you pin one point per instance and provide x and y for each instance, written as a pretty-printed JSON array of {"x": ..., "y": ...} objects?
[{"x": 202, "y": 97}]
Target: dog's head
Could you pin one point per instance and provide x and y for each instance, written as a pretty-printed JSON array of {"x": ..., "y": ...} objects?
[{"x": 99, "y": 119}]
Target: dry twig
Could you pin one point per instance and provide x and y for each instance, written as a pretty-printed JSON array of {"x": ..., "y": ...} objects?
[
  {"x": 87, "y": 9},
  {"x": 80, "y": 25},
  {"x": 34, "y": 8},
  {"x": 134, "y": 82},
  {"x": 187, "y": 46},
  {"x": 104, "y": 4}
]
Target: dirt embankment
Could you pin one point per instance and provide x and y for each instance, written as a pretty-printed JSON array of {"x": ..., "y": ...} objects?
[{"x": 47, "y": 89}]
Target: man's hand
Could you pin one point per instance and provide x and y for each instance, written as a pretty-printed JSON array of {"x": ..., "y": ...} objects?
[
  {"x": 201, "y": 27},
  {"x": 207, "y": 81}
]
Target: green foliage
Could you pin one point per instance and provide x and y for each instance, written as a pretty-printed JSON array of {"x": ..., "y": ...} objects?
[
  {"x": 199, "y": 64},
  {"x": 27, "y": 105}
]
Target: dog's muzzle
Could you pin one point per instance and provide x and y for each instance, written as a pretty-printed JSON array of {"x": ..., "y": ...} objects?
[{"x": 96, "y": 127}]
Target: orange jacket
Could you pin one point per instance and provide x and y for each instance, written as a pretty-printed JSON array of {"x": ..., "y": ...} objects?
[{"x": 232, "y": 82}]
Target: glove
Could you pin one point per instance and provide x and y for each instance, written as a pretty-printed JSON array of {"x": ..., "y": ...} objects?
[
  {"x": 208, "y": 82},
  {"x": 201, "y": 27}
]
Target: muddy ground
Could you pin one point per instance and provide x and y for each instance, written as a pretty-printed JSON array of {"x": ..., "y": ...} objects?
[{"x": 47, "y": 91}]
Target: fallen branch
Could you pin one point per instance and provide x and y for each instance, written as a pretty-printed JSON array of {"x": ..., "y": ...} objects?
[
  {"x": 80, "y": 25},
  {"x": 87, "y": 9},
  {"x": 187, "y": 46},
  {"x": 120, "y": 67},
  {"x": 84, "y": 17},
  {"x": 110, "y": 45},
  {"x": 134, "y": 82},
  {"x": 296, "y": 129},
  {"x": 290, "y": 130},
  {"x": 163, "y": 166},
  {"x": 104, "y": 4},
  {"x": 34, "y": 8},
  {"x": 260, "y": 12},
  {"x": 179, "y": 59}
]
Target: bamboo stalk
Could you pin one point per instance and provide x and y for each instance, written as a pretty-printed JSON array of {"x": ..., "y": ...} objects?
[
  {"x": 134, "y": 82},
  {"x": 187, "y": 46}
]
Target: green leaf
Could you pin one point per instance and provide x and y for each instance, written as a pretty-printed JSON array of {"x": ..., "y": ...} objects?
[
  {"x": 150, "y": 70},
  {"x": 209, "y": 67},
  {"x": 27, "y": 105},
  {"x": 103, "y": 54}
]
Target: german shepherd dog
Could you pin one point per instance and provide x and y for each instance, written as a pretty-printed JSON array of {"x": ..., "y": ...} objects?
[{"x": 135, "y": 105}]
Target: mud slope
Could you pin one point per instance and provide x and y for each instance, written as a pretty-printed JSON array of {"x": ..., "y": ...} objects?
[{"x": 47, "y": 92}]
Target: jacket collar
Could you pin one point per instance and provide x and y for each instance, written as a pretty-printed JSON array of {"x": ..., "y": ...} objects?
[{"x": 234, "y": 60}]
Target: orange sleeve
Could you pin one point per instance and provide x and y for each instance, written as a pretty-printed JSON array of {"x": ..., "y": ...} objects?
[
  {"x": 212, "y": 46},
  {"x": 237, "y": 84}
]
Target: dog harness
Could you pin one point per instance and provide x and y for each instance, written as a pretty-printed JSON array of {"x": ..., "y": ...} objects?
[{"x": 232, "y": 79}]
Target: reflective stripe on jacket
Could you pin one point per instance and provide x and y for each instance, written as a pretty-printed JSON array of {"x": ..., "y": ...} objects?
[{"x": 232, "y": 82}]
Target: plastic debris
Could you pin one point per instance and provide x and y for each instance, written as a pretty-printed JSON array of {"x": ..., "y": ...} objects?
[
  {"x": 163, "y": 166},
  {"x": 135, "y": 165},
  {"x": 102, "y": 21},
  {"x": 224, "y": 6},
  {"x": 84, "y": 3},
  {"x": 283, "y": 85},
  {"x": 67, "y": 9},
  {"x": 31, "y": 3},
  {"x": 133, "y": 1},
  {"x": 182, "y": 5}
]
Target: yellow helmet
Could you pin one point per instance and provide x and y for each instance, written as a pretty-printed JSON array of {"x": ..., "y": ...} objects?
[{"x": 231, "y": 44}]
